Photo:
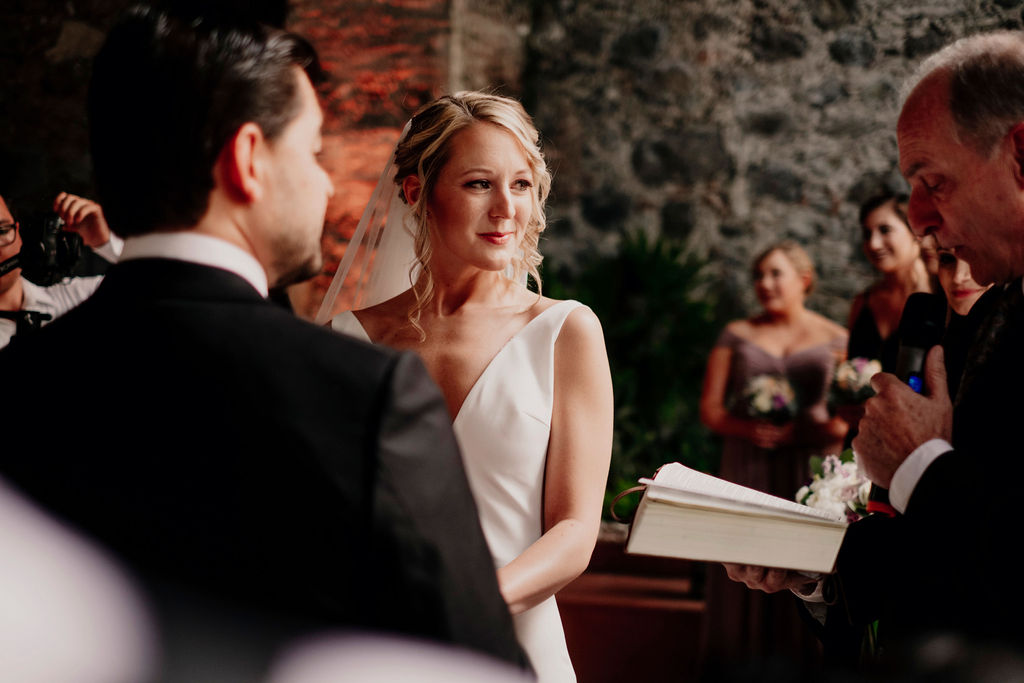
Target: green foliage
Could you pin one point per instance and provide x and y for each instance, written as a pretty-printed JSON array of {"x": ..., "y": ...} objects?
[
  {"x": 817, "y": 466},
  {"x": 658, "y": 333}
]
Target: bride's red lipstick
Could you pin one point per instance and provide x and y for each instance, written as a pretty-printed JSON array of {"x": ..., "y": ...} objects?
[{"x": 495, "y": 237}]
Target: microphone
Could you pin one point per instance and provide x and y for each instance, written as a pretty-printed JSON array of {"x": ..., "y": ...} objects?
[{"x": 921, "y": 327}]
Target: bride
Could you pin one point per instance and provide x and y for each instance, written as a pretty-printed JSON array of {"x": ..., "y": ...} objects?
[{"x": 525, "y": 377}]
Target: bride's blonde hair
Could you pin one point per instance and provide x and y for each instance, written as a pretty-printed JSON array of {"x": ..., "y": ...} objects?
[{"x": 425, "y": 150}]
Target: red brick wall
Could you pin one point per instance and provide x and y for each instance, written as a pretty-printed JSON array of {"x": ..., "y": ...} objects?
[{"x": 384, "y": 59}]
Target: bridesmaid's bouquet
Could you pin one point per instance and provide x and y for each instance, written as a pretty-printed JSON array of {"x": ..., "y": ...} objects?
[
  {"x": 837, "y": 485},
  {"x": 851, "y": 383},
  {"x": 770, "y": 397}
]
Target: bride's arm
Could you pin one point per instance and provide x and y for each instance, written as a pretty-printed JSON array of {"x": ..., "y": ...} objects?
[{"x": 579, "y": 453}]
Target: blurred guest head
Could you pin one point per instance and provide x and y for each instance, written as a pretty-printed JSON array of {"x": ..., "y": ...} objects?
[
  {"x": 961, "y": 142},
  {"x": 70, "y": 611},
  {"x": 930, "y": 256},
  {"x": 326, "y": 657},
  {"x": 783, "y": 277},
  {"x": 962, "y": 292},
  {"x": 886, "y": 237}
]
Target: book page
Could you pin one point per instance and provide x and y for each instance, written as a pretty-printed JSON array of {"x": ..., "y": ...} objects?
[{"x": 695, "y": 485}]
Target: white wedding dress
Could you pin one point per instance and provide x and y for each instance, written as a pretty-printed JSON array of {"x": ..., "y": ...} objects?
[{"x": 503, "y": 429}]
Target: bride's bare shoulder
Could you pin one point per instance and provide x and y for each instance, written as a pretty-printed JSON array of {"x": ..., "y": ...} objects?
[
  {"x": 535, "y": 305},
  {"x": 538, "y": 304},
  {"x": 380, "y": 321},
  {"x": 581, "y": 321}
]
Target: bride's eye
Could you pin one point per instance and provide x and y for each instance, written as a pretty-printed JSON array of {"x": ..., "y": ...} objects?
[
  {"x": 522, "y": 185},
  {"x": 479, "y": 184}
]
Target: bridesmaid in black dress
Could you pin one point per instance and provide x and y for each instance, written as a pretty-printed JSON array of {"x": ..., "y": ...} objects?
[{"x": 895, "y": 252}]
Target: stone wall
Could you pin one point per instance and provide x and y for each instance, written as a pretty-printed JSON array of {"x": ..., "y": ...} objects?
[
  {"x": 727, "y": 125},
  {"x": 724, "y": 124},
  {"x": 384, "y": 59}
]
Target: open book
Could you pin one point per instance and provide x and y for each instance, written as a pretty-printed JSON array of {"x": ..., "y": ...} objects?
[{"x": 688, "y": 514}]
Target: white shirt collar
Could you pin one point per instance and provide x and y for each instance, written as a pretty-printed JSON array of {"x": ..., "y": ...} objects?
[
  {"x": 195, "y": 248},
  {"x": 31, "y": 295}
]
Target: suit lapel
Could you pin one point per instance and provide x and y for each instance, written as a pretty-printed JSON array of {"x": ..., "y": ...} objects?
[
  {"x": 981, "y": 415},
  {"x": 987, "y": 341}
]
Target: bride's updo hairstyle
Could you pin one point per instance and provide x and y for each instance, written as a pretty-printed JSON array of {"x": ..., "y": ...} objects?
[{"x": 425, "y": 150}]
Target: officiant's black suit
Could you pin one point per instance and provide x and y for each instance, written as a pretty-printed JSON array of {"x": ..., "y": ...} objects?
[
  {"x": 947, "y": 565},
  {"x": 216, "y": 442}
]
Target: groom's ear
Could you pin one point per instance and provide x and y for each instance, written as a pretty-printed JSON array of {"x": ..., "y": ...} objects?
[
  {"x": 242, "y": 164},
  {"x": 411, "y": 188}
]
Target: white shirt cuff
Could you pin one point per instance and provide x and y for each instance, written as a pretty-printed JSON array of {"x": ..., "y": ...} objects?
[
  {"x": 814, "y": 594},
  {"x": 909, "y": 473},
  {"x": 111, "y": 249}
]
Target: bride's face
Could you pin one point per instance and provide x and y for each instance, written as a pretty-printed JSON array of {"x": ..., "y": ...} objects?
[{"x": 482, "y": 201}]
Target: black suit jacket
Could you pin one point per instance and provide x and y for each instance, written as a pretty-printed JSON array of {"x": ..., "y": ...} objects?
[
  {"x": 946, "y": 565},
  {"x": 220, "y": 445}
]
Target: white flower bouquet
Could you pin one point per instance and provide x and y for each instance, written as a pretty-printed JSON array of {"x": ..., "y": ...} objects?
[
  {"x": 851, "y": 383},
  {"x": 770, "y": 397},
  {"x": 837, "y": 485}
]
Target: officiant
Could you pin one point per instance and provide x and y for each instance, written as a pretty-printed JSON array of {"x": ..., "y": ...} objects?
[{"x": 951, "y": 467}]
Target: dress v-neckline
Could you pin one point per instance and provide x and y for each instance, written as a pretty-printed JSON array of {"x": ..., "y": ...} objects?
[
  {"x": 786, "y": 357},
  {"x": 490, "y": 363}
]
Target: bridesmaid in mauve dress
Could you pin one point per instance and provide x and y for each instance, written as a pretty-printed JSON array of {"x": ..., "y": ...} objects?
[{"x": 742, "y": 627}]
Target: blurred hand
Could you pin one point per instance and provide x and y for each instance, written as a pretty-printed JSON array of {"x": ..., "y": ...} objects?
[
  {"x": 851, "y": 414},
  {"x": 767, "y": 579},
  {"x": 765, "y": 434},
  {"x": 896, "y": 420},
  {"x": 83, "y": 216}
]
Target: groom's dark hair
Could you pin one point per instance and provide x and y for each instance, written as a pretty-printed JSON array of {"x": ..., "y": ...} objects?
[{"x": 170, "y": 87}]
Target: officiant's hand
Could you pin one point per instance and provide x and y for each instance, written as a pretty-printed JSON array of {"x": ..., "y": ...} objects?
[
  {"x": 767, "y": 579},
  {"x": 896, "y": 420}
]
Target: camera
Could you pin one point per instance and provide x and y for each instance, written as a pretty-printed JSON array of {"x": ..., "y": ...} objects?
[{"x": 48, "y": 252}]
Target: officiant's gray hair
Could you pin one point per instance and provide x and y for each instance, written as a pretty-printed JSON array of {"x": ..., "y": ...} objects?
[
  {"x": 986, "y": 86},
  {"x": 424, "y": 151}
]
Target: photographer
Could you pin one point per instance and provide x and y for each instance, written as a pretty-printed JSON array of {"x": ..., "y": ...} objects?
[{"x": 43, "y": 304}]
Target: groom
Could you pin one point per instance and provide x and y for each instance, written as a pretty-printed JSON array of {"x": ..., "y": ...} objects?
[{"x": 233, "y": 452}]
